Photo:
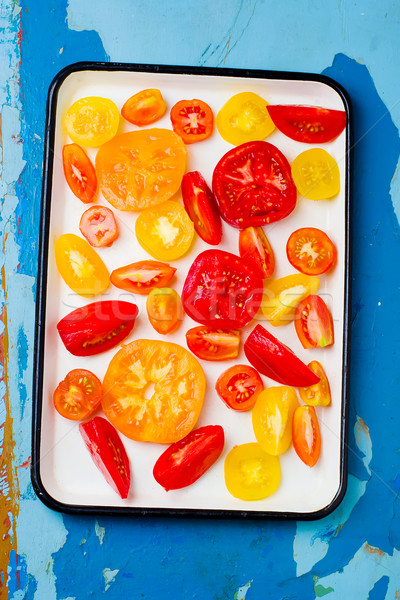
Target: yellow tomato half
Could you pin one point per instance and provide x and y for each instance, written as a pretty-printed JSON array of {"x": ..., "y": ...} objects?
[
  {"x": 283, "y": 295},
  {"x": 92, "y": 121},
  {"x": 244, "y": 118},
  {"x": 272, "y": 418},
  {"x": 316, "y": 174},
  {"x": 251, "y": 473}
]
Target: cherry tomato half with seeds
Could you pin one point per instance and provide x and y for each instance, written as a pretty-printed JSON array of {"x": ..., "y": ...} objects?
[
  {"x": 310, "y": 251},
  {"x": 79, "y": 172},
  {"x": 306, "y": 435},
  {"x": 255, "y": 247},
  {"x": 92, "y": 121},
  {"x": 308, "y": 124},
  {"x": 164, "y": 310},
  {"x": 78, "y": 395},
  {"x": 143, "y": 276},
  {"x": 201, "y": 207},
  {"x": 192, "y": 120},
  {"x": 99, "y": 226},
  {"x": 314, "y": 323},
  {"x": 239, "y": 387},
  {"x": 244, "y": 118},
  {"x": 318, "y": 394},
  {"x": 209, "y": 343},
  {"x": 272, "y": 418},
  {"x": 251, "y": 473},
  {"x": 144, "y": 108},
  {"x": 316, "y": 174}
]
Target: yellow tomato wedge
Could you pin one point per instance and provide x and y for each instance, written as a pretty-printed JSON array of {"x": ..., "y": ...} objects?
[
  {"x": 272, "y": 418},
  {"x": 316, "y": 174},
  {"x": 244, "y": 118},
  {"x": 92, "y": 121},
  {"x": 251, "y": 473},
  {"x": 282, "y": 296}
]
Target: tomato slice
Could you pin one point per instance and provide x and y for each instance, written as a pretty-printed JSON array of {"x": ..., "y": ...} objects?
[
  {"x": 222, "y": 290},
  {"x": 255, "y": 247},
  {"x": 318, "y": 394},
  {"x": 201, "y": 207},
  {"x": 239, "y": 387},
  {"x": 141, "y": 277},
  {"x": 275, "y": 360},
  {"x": 144, "y": 108},
  {"x": 171, "y": 411},
  {"x": 165, "y": 231},
  {"x": 253, "y": 185},
  {"x": 244, "y": 118},
  {"x": 164, "y": 309},
  {"x": 108, "y": 453},
  {"x": 97, "y": 327},
  {"x": 308, "y": 124},
  {"x": 185, "y": 461},
  {"x": 272, "y": 418},
  {"x": 79, "y": 172},
  {"x": 306, "y": 435},
  {"x": 310, "y": 251},
  {"x": 192, "y": 120},
  {"x": 92, "y": 121},
  {"x": 78, "y": 395},
  {"x": 314, "y": 323},
  {"x": 251, "y": 473},
  {"x": 316, "y": 174},
  {"x": 99, "y": 226},
  {"x": 282, "y": 295},
  {"x": 209, "y": 343}
]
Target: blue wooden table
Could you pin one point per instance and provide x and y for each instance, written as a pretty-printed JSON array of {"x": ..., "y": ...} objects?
[{"x": 354, "y": 552}]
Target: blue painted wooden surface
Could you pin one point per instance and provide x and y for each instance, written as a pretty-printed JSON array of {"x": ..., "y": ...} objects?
[{"x": 354, "y": 552}]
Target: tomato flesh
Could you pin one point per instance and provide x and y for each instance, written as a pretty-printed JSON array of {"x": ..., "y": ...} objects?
[
  {"x": 250, "y": 473},
  {"x": 79, "y": 172},
  {"x": 209, "y": 343},
  {"x": 308, "y": 124},
  {"x": 144, "y": 108},
  {"x": 310, "y": 251},
  {"x": 244, "y": 118},
  {"x": 143, "y": 276},
  {"x": 201, "y": 207},
  {"x": 92, "y": 121},
  {"x": 272, "y": 418},
  {"x": 192, "y": 120},
  {"x": 99, "y": 226},
  {"x": 78, "y": 395},
  {"x": 255, "y": 247},
  {"x": 282, "y": 295},
  {"x": 318, "y": 394},
  {"x": 239, "y": 387},
  {"x": 164, "y": 309},
  {"x": 306, "y": 435},
  {"x": 316, "y": 174},
  {"x": 314, "y": 323}
]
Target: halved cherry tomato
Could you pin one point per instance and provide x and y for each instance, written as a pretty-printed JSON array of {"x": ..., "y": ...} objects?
[
  {"x": 80, "y": 266},
  {"x": 79, "y": 172},
  {"x": 192, "y": 120},
  {"x": 172, "y": 410},
  {"x": 306, "y": 435},
  {"x": 78, "y": 395},
  {"x": 244, "y": 118},
  {"x": 239, "y": 387},
  {"x": 184, "y": 462},
  {"x": 165, "y": 231},
  {"x": 251, "y": 473},
  {"x": 275, "y": 360},
  {"x": 92, "y": 121},
  {"x": 272, "y": 418},
  {"x": 314, "y": 323},
  {"x": 108, "y": 453},
  {"x": 222, "y": 290},
  {"x": 97, "y": 327},
  {"x": 308, "y": 124},
  {"x": 201, "y": 207},
  {"x": 253, "y": 185},
  {"x": 318, "y": 394},
  {"x": 209, "y": 343},
  {"x": 316, "y": 174},
  {"x": 144, "y": 108},
  {"x": 310, "y": 251},
  {"x": 141, "y": 277},
  {"x": 164, "y": 309},
  {"x": 141, "y": 168},
  {"x": 99, "y": 226},
  {"x": 282, "y": 295},
  {"x": 254, "y": 246}
]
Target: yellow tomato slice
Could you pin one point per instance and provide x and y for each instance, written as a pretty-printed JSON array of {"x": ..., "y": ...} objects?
[
  {"x": 272, "y": 418},
  {"x": 316, "y": 174},
  {"x": 251, "y": 473},
  {"x": 164, "y": 309},
  {"x": 92, "y": 121},
  {"x": 165, "y": 231},
  {"x": 80, "y": 266},
  {"x": 283, "y": 295},
  {"x": 244, "y": 118}
]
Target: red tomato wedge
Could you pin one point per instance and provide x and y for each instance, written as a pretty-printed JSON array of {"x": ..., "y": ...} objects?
[
  {"x": 99, "y": 226},
  {"x": 308, "y": 124},
  {"x": 192, "y": 120},
  {"x": 143, "y": 276},
  {"x": 201, "y": 207},
  {"x": 306, "y": 435},
  {"x": 78, "y": 395},
  {"x": 310, "y": 251},
  {"x": 253, "y": 185},
  {"x": 209, "y": 343},
  {"x": 314, "y": 323},
  {"x": 144, "y": 108},
  {"x": 184, "y": 462},
  {"x": 275, "y": 360},
  {"x": 97, "y": 327},
  {"x": 79, "y": 172},
  {"x": 222, "y": 290},
  {"x": 108, "y": 453},
  {"x": 239, "y": 387},
  {"x": 254, "y": 246}
]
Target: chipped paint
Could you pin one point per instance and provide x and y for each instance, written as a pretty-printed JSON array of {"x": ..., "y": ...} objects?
[
  {"x": 242, "y": 591},
  {"x": 109, "y": 577},
  {"x": 100, "y": 532}
]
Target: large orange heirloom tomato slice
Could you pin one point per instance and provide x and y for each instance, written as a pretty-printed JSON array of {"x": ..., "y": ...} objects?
[
  {"x": 144, "y": 108},
  {"x": 316, "y": 174},
  {"x": 318, "y": 394},
  {"x": 244, "y": 118},
  {"x": 282, "y": 295},
  {"x": 92, "y": 121},
  {"x": 306, "y": 435},
  {"x": 251, "y": 473},
  {"x": 272, "y": 418},
  {"x": 141, "y": 168},
  {"x": 171, "y": 411}
]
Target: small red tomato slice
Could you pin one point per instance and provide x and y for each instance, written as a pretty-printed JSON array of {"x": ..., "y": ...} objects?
[
  {"x": 141, "y": 277},
  {"x": 78, "y": 395},
  {"x": 97, "y": 327},
  {"x": 306, "y": 435},
  {"x": 254, "y": 246},
  {"x": 209, "y": 343},
  {"x": 201, "y": 207},
  {"x": 108, "y": 453},
  {"x": 99, "y": 226},
  {"x": 308, "y": 124},
  {"x": 310, "y": 251},
  {"x": 239, "y": 387},
  {"x": 79, "y": 172},
  {"x": 318, "y": 394},
  {"x": 192, "y": 120},
  {"x": 144, "y": 108},
  {"x": 314, "y": 323},
  {"x": 275, "y": 360},
  {"x": 184, "y": 462}
]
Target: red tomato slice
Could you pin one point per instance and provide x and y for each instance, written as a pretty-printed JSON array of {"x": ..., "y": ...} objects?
[
  {"x": 275, "y": 360},
  {"x": 314, "y": 323},
  {"x": 213, "y": 344},
  {"x": 308, "y": 124},
  {"x": 310, "y": 251},
  {"x": 253, "y": 185},
  {"x": 79, "y": 172},
  {"x": 184, "y": 462},
  {"x": 108, "y": 453},
  {"x": 201, "y": 207},
  {"x": 97, "y": 327},
  {"x": 78, "y": 395},
  {"x": 254, "y": 246},
  {"x": 192, "y": 120},
  {"x": 141, "y": 277},
  {"x": 222, "y": 290},
  {"x": 239, "y": 387},
  {"x": 99, "y": 226},
  {"x": 306, "y": 435}
]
